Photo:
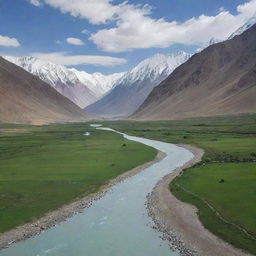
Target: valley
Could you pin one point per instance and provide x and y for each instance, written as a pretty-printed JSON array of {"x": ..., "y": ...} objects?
[
  {"x": 74, "y": 166},
  {"x": 127, "y": 128},
  {"x": 229, "y": 156},
  {"x": 229, "y": 145}
]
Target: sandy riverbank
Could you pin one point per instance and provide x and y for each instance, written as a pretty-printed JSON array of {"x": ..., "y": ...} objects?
[
  {"x": 179, "y": 222},
  {"x": 53, "y": 218}
]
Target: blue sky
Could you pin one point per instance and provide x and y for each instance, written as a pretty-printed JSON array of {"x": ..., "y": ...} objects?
[{"x": 117, "y": 35}]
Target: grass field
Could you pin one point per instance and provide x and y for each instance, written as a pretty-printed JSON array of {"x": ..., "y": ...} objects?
[
  {"x": 44, "y": 167},
  {"x": 234, "y": 199},
  {"x": 226, "y": 208}
]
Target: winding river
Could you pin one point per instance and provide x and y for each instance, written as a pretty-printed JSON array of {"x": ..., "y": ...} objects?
[{"x": 115, "y": 225}]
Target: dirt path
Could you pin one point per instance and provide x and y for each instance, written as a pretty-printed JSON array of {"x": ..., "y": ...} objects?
[{"x": 180, "y": 221}]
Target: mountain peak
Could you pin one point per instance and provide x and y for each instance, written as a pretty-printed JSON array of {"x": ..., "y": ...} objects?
[
  {"x": 219, "y": 80},
  {"x": 79, "y": 86},
  {"x": 157, "y": 65},
  {"x": 135, "y": 85},
  {"x": 246, "y": 26}
]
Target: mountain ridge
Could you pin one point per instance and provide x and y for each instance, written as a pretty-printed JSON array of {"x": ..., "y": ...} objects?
[
  {"x": 79, "y": 86},
  {"x": 135, "y": 85},
  {"x": 25, "y": 98},
  {"x": 216, "y": 81}
]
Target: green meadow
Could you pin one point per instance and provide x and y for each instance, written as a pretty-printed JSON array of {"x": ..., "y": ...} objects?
[
  {"x": 223, "y": 185},
  {"x": 45, "y": 167}
]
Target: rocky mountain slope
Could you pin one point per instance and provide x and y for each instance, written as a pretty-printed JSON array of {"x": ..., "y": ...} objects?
[
  {"x": 219, "y": 80},
  {"x": 80, "y": 87},
  {"x": 24, "y": 98},
  {"x": 135, "y": 85}
]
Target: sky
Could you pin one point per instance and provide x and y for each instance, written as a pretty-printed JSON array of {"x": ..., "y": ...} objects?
[{"x": 111, "y": 36}]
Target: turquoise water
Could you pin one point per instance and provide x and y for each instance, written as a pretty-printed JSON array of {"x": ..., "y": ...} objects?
[{"x": 115, "y": 225}]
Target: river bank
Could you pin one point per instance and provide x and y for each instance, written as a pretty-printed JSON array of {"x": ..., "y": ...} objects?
[
  {"x": 53, "y": 218},
  {"x": 179, "y": 222}
]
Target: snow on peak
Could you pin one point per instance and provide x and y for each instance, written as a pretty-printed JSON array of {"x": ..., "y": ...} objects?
[
  {"x": 68, "y": 81},
  {"x": 101, "y": 83},
  {"x": 53, "y": 74},
  {"x": 246, "y": 26},
  {"x": 135, "y": 85},
  {"x": 214, "y": 40},
  {"x": 155, "y": 66}
]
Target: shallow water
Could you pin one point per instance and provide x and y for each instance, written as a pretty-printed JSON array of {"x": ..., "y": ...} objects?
[{"x": 115, "y": 225}]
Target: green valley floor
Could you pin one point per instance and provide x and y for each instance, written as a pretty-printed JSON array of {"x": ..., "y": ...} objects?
[
  {"x": 222, "y": 186},
  {"x": 45, "y": 167}
]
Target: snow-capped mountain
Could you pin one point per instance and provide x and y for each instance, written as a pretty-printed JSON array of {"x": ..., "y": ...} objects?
[
  {"x": 80, "y": 87},
  {"x": 133, "y": 87},
  {"x": 246, "y": 26},
  {"x": 239, "y": 31},
  {"x": 101, "y": 83}
]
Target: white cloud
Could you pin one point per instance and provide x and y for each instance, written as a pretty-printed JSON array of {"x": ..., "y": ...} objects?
[
  {"x": 96, "y": 11},
  {"x": 85, "y": 31},
  {"x": 63, "y": 58},
  {"x": 74, "y": 41},
  {"x": 134, "y": 28},
  {"x": 9, "y": 42},
  {"x": 222, "y": 9},
  {"x": 35, "y": 2}
]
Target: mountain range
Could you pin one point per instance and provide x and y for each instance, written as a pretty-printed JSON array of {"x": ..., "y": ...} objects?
[
  {"x": 24, "y": 98},
  {"x": 219, "y": 80},
  {"x": 79, "y": 86},
  {"x": 115, "y": 95},
  {"x": 134, "y": 86}
]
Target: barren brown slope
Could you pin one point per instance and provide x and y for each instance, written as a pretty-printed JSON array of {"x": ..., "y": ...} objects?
[
  {"x": 25, "y": 98},
  {"x": 219, "y": 80}
]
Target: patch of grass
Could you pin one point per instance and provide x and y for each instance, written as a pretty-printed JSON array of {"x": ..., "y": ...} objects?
[
  {"x": 218, "y": 136},
  {"x": 232, "y": 199},
  {"x": 52, "y": 165},
  {"x": 230, "y": 155}
]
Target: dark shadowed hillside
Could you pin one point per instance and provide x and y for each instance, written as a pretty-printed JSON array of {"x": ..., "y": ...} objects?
[
  {"x": 219, "y": 80},
  {"x": 24, "y": 98}
]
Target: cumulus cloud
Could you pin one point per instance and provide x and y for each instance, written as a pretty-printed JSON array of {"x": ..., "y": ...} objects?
[
  {"x": 35, "y": 2},
  {"x": 74, "y": 41},
  {"x": 96, "y": 11},
  {"x": 85, "y": 31},
  {"x": 134, "y": 28},
  {"x": 63, "y": 58},
  {"x": 222, "y": 9},
  {"x": 9, "y": 42}
]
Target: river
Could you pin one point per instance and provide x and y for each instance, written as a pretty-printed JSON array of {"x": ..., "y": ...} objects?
[{"x": 115, "y": 225}]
